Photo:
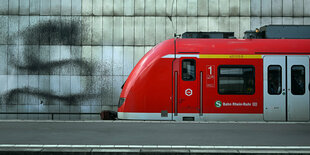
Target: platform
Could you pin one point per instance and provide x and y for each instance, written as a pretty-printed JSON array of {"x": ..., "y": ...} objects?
[{"x": 154, "y": 136}]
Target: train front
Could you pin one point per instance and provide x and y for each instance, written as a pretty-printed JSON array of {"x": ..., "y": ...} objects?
[{"x": 146, "y": 93}]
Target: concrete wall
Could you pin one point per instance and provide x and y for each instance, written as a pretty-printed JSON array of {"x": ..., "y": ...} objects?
[{"x": 74, "y": 55}]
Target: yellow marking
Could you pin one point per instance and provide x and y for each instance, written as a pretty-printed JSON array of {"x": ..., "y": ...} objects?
[{"x": 226, "y": 56}]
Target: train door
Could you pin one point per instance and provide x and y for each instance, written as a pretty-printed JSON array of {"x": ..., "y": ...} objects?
[
  {"x": 286, "y": 96},
  {"x": 188, "y": 91}
]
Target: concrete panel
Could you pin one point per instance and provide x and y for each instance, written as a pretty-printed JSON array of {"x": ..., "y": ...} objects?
[
  {"x": 128, "y": 59},
  {"x": 96, "y": 59},
  {"x": 119, "y": 7},
  {"x": 64, "y": 109},
  {"x": 298, "y": 8},
  {"x": 97, "y": 7},
  {"x": 23, "y": 25},
  {"x": 44, "y": 57},
  {"x": 256, "y": 8},
  {"x": 138, "y": 54},
  {"x": 255, "y": 22},
  {"x": 35, "y": 7},
  {"x": 4, "y": 28},
  {"x": 160, "y": 8},
  {"x": 245, "y": 25},
  {"x": 203, "y": 24},
  {"x": 12, "y": 85},
  {"x": 4, "y": 7},
  {"x": 182, "y": 7},
  {"x": 225, "y": 24},
  {"x": 192, "y": 8},
  {"x": 22, "y": 83},
  {"x": 76, "y": 7},
  {"x": 13, "y": 29},
  {"x": 35, "y": 40},
  {"x": 170, "y": 27},
  {"x": 213, "y": 7},
  {"x": 234, "y": 8},
  {"x": 24, "y": 7},
  {"x": 192, "y": 23},
  {"x": 55, "y": 109},
  {"x": 203, "y": 7},
  {"x": 139, "y": 30},
  {"x": 149, "y": 7},
  {"x": 65, "y": 85},
  {"x": 76, "y": 54},
  {"x": 181, "y": 25},
  {"x": 96, "y": 90},
  {"x": 55, "y": 36},
  {"x": 44, "y": 33},
  {"x": 298, "y": 21},
  {"x": 87, "y": 30},
  {"x": 287, "y": 20},
  {"x": 55, "y": 57},
  {"x": 266, "y": 8},
  {"x": 149, "y": 31},
  {"x": 44, "y": 87},
  {"x": 234, "y": 26},
  {"x": 107, "y": 30},
  {"x": 75, "y": 109},
  {"x": 265, "y": 21},
  {"x": 276, "y": 8},
  {"x": 129, "y": 30},
  {"x": 213, "y": 24},
  {"x": 75, "y": 85},
  {"x": 224, "y": 7},
  {"x": 86, "y": 57},
  {"x": 307, "y": 8},
  {"x": 34, "y": 85},
  {"x": 118, "y": 35},
  {"x": 86, "y": 86},
  {"x": 87, "y": 7},
  {"x": 97, "y": 38},
  {"x": 22, "y": 59},
  {"x": 118, "y": 60},
  {"x": 11, "y": 108},
  {"x": 3, "y": 60},
  {"x": 12, "y": 59},
  {"x": 65, "y": 54},
  {"x": 307, "y": 20},
  {"x": 65, "y": 7},
  {"x": 85, "y": 109},
  {"x": 107, "y": 60},
  {"x": 139, "y": 7},
  {"x": 3, "y": 87},
  {"x": 45, "y": 7},
  {"x": 245, "y": 6},
  {"x": 77, "y": 35},
  {"x": 287, "y": 8},
  {"x": 66, "y": 23},
  {"x": 160, "y": 29},
  {"x": 107, "y": 7},
  {"x": 117, "y": 84},
  {"x": 171, "y": 8},
  {"x": 13, "y": 7},
  {"x": 107, "y": 91},
  {"x": 55, "y": 7},
  {"x": 276, "y": 20},
  {"x": 54, "y": 88},
  {"x": 95, "y": 109},
  {"x": 129, "y": 10}
]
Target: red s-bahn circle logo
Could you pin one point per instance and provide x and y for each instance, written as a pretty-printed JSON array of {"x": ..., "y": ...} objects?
[{"x": 188, "y": 92}]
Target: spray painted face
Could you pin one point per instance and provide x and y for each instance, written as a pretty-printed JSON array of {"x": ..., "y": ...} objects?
[{"x": 47, "y": 66}]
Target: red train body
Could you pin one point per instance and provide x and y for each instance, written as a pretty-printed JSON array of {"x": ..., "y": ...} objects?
[{"x": 220, "y": 79}]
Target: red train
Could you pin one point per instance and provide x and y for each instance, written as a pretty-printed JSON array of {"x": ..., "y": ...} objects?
[{"x": 213, "y": 76}]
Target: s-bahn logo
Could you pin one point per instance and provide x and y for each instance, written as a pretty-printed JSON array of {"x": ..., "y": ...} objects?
[
  {"x": 188, "y": 92},
  {"x": 218, "y": 104}
]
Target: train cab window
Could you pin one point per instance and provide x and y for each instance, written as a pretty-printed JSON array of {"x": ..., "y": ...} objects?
[
  {"x": 239, "y": 80},
  {"x": 188, "y": 70},
  {"x": 298, "y": 80},
  {"x": 274, "y": 79}
]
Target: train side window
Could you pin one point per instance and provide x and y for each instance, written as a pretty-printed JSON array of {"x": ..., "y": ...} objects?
[
  {"x": 298, "y": 80},
  {"x": 274, "y": 79},
  {"x": 236, "y": 79},
  {"x": 188, "y": 70}
]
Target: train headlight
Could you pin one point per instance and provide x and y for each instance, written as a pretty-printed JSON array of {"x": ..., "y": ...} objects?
[{"x": 121, "y": 101}]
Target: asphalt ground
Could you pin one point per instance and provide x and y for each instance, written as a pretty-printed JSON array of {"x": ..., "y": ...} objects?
[{"x": 143, "y": 133}]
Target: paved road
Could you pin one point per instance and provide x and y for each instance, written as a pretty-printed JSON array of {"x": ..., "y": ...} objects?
[{"x": 156, "y": 133}]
